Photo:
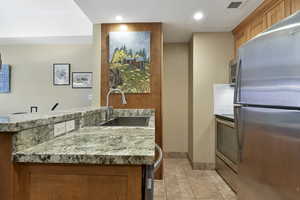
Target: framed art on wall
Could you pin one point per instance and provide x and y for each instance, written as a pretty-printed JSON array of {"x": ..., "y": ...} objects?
[
  {"x": 5, "y": 78},
  {"x": 82, "y": 79},
  {"x": 61, "y": 74},
  {"x": 129, "y": 61}
]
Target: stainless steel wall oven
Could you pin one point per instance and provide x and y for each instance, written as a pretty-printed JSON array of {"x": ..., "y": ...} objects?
[{"x": 227, "y": 151}]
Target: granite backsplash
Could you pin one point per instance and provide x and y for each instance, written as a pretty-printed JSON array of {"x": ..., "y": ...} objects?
[{"x": 33, "y": 136}]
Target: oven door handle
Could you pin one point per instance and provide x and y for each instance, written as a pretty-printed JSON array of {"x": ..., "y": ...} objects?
[{"x": 160, "y": 157}]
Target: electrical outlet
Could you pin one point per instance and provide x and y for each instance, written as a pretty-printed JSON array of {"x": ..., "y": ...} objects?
[
  {"x": 59, "y": 129},
  {"x": 70, "y": 125}
]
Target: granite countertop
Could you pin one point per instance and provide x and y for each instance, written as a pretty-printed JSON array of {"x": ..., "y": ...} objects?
[
  {"x": 95, "y": 145},
  {"x": 226, "y": 116},
  {"x": 15, "y": 123}
]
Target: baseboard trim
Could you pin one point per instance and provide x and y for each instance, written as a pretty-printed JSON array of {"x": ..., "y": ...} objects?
[
  {"x": 200, "y": 165},
  {"x": 175, "y": 154}
]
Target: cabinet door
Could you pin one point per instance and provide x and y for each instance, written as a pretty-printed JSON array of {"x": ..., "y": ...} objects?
[
  {"x": 240, "y": 39},
  {"x": 295, "y": 5},
  {"x": 78, "y": 182},
  {"x": 257, "y": 26},
  {"x": 275, "y": 13}
]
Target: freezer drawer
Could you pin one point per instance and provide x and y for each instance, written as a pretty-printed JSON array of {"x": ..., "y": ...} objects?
[{"x": 269, "y": 167}]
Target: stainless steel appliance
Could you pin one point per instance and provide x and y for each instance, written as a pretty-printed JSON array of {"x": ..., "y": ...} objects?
[
  {"x": 267, "y": 114},
  {"x": 227, "y": 151},
  {"x": 232, "y": 71},
  {"x": 227, "y": 142},
  {"x": 148, "y": 175}
]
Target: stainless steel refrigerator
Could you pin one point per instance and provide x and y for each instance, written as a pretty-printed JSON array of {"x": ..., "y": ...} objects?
[{"x": 267, "y": 113}]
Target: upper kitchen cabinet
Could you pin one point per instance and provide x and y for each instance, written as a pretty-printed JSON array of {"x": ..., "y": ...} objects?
[
  {"x": 268, "y": 13},
  {"x": 295, "y": 5},
  {"x": 240, "y": 38},
  {"x": 256, "y": 26},
  {"x": 275, "y": 13}
]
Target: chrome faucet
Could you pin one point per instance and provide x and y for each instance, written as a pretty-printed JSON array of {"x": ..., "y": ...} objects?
[
  {"x": 123, "y": 100},
  {"x": 112, "y": 90}
]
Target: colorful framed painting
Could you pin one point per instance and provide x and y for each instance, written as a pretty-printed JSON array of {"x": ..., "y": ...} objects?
[
  {"x": 5, "y": 78},
  {"x": 82, "y": 80},
  {"x": 61, "y": 74},
  {"x": 129, "y": 61}
]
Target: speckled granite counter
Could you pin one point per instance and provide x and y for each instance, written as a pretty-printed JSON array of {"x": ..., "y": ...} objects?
[
  {"x": 226, "y": 116},
  {"x": 89, "y": 143},
  {"x": 95, "y": 145},
  {"x": 77, "y": 149},
  {"x": 16, "y": 123}
]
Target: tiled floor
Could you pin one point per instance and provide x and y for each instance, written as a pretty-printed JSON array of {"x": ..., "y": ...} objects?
[{"x": 182, "y": 183}]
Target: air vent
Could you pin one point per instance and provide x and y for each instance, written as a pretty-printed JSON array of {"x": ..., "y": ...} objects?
[{"x": 235, "y": 4}]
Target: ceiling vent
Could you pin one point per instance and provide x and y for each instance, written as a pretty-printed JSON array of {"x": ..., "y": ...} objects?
[{"x": 235, "y": 4}]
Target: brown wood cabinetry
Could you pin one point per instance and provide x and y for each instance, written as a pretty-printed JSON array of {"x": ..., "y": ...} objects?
[
  {"x": 275, "y": 13},
  {"x": 66, "y": 182},
  {"x": 257, "y": 26},
  {"x": 73, "y": 182},
  {"x": 240, "y": 38},
  {"x": 295, "y": 5},
  {"x": 7, "y": 172},
  {"x": 267, "y": 14}
]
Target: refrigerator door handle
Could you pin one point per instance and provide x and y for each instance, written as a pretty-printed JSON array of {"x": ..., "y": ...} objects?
[
  {"x": 239, "y": 128},
  {"x": 238, "y": 83}
]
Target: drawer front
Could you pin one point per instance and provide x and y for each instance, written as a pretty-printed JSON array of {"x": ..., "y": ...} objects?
[{"x": 227, "y": 174}]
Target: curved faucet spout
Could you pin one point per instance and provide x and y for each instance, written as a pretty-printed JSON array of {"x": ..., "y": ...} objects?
[{"x": 112, "y": 90}]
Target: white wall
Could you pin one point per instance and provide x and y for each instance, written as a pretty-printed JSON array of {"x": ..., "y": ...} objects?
[
  {"x": 32, "y": 76},
  {"x": 211, "y": 55},
  {"x": 175, "y": 97},
  {"x": 97, "y": 64},
  {"x": 223, "y": 99}
]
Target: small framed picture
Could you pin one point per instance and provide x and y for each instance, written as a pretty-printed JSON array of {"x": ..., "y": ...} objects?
[
  {"x": 61, "y": 74},
  {"x": 82, "y": 79},
  {"x": 5, "y": 78}
]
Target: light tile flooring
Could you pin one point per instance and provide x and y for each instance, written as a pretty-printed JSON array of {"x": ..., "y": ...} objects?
[{"x": 182, "y": 183}]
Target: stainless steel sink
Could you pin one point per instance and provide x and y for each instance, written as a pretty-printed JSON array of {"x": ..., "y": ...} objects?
[{"x": 127, "y": 121}]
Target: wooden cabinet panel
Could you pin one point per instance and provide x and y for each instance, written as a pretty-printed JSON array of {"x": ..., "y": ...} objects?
[
  {"x": 77, "y": 187},
  {"x": 240, "y": 38},
  {"x": 6, "y": 167},
  {"x": 257, "y": 26},
  {"x": 295, "y": 4},
  {"x": 267, "y": 14},
  {"x": 275, "y": 13},
  {"x": 72, "y": 182}
]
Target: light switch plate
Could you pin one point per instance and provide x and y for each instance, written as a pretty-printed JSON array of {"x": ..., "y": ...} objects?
[
  {"x": 59, "y": 129},
  {"x": 70, "y": 125}
]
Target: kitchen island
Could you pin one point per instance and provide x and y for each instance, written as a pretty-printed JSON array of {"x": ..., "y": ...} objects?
[{"x": 83, "y": 160}]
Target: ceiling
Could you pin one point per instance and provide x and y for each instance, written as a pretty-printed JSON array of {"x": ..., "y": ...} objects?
[
  {"x": 176, "y": 15},
  {"x": 65, "y": 18},
  {"x": 42, "y": 18}
]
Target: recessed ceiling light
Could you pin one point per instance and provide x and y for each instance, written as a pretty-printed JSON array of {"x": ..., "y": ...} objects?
[
  {"x": 123, "y": 27},
  {"x": 119, "y": 18},
  {"x": 198, "y": 16}
]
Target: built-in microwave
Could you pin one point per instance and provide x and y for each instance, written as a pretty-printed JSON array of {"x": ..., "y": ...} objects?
[{"x": 232, "y": 71}]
